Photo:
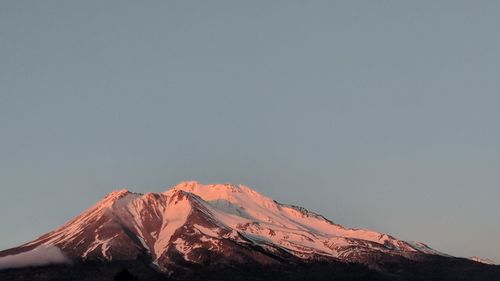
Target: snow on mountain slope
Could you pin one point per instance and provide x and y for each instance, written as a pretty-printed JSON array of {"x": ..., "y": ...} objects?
[
  {"x": 482, "y": 260},
  {"x": 198, "y": 223},
  {"x": 293, "y": 228}
]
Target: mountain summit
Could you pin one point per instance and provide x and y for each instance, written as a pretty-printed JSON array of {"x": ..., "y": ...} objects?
[{"x": 193, "y": 224}]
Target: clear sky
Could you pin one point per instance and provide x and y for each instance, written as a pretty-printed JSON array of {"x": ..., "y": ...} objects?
[{"x": 377, "y": 114}]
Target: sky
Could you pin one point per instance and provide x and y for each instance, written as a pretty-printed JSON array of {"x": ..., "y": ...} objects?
[{"x": 377, "y": 114}]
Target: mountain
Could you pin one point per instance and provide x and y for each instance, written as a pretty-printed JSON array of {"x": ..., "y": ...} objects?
[
  {"x": 193, "y": 228},
  {"x": 482, "y": 260}
]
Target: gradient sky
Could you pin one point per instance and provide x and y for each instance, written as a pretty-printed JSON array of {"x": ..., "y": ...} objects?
[{"x": 377, "y": 114}]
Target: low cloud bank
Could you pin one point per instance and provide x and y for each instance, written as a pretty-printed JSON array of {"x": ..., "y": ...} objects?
[{"x": 36, "y": 257}]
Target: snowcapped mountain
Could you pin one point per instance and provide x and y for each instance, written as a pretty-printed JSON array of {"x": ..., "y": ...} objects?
[
  {"x": 193, "y": 225},
  {"x": 225, "y": 221}
]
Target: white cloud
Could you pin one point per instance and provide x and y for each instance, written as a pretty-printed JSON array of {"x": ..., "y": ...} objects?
[{"x": 36, "y": 257}]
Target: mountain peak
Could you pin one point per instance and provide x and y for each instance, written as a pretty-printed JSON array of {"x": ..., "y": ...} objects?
[
  {"x": 196, "y": 221},
  {"x": 213, "y": 188},
  {"x": 193, "y": 186},
  {"x": 114, "y": 196},
  {"x": 117, "y": 193},
  {"x": 226, "y": 194},
  {"x": 212, "y": 191}
]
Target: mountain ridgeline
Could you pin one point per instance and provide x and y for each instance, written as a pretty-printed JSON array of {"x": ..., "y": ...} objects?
[{"x": 227, "y": 232}]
